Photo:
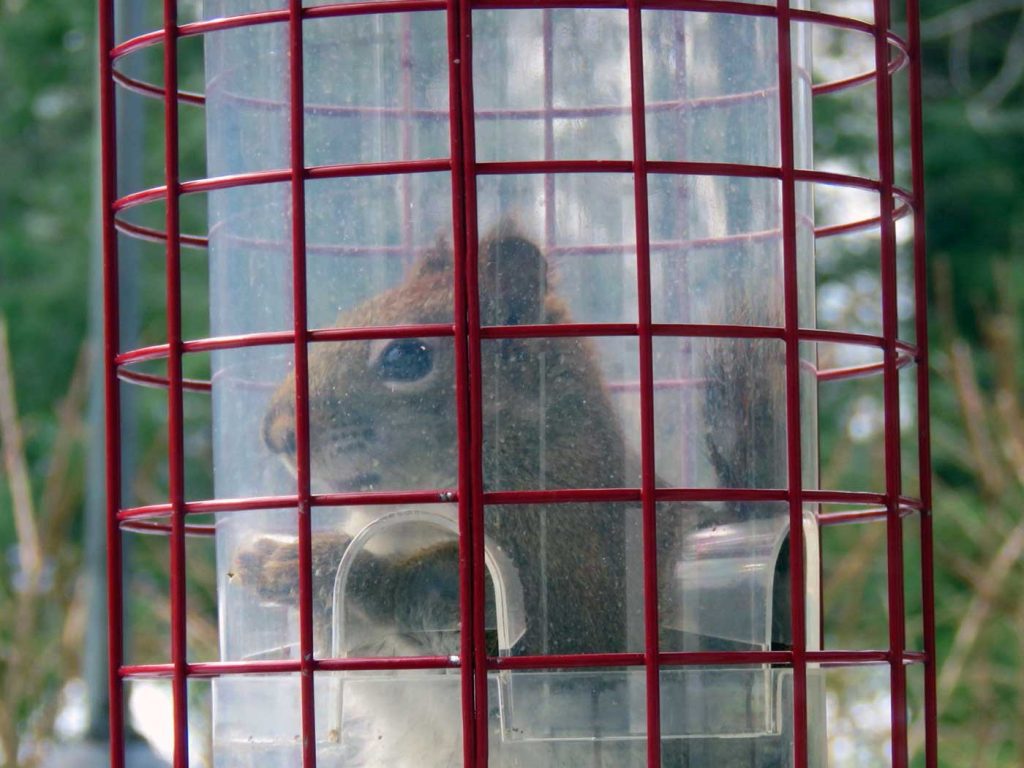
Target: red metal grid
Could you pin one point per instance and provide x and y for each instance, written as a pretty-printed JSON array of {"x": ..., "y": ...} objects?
[
  {"x": 175, "y": 409},
  {"x": 546, "y": 167},
  {"x": 931, "y": 742},
  {"x": 890, "y": 383},
  {"x": 467, "y": 316},
  {"x": 649, "y": 531},
  {"x": 111, "y": 385},
  {"x": 798, "y": 621},
  {"x": 907, "y": 354},
  {"x": 154, "y": 513},
  {"x": 297, "y": 179},
  {"x": 214, "y": 669},
  {"x": 469, "y": 333},
  {"x": 203, "y": 27}
]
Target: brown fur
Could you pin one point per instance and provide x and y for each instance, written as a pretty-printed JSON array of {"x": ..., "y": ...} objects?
[{"x": 369, "y": 433}]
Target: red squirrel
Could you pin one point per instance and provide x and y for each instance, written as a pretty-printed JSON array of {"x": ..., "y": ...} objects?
[{"x": 382, "y": 418}]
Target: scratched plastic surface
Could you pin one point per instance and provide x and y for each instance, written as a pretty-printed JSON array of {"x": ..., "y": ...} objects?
[{"x": 558, "y": 246}]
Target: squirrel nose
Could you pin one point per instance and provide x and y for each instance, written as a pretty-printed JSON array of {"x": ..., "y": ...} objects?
[{"x": 279, "y": 427}]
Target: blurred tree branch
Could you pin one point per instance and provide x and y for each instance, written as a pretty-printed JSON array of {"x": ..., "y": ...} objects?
[
  {"x": 41, "y": 597},
  {"x": 985, "y": 382},
  {"x": 965, "y": 16},
  {"x": 976, "y": 31},
  {"x": 29, "y": 556}
]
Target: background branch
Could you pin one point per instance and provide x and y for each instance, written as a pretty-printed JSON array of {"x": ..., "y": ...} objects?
[{"x": 30, "y": 560}]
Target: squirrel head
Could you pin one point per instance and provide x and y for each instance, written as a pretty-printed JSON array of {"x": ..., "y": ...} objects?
[{"x": 382, "y": 412}]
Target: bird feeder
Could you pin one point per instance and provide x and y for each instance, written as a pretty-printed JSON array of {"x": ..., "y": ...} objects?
[{"x": 515, "y": 362}]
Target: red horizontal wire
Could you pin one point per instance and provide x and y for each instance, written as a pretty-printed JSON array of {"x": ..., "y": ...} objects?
[
  {"x": 859, "y": 516},
  {"x": 911, "y": 502},
  {"x": 717, "y": 331},
  {"x": 896, "y": 64},
  {"x": 155, "y": 381},
  {"x": 843, "y": 497},
  {"x": 861, "y": 371},
  {"x": 553, "y": 330},
  {"x": 832, "y": 230},
  {"x": 373, "y": 251},
  {"x": 165, "y": 529},
  {"x": 146, "y": 88},
  {"x": 372, "y": 8},
  {"x": 208, "y": 669},
  {"x": 204, "y": 386},
  {"x": 233, "y": 181},
  {"x": 212, "y": 669},
  {"x": 361, "y": 498},
  {"x": 349, "y": 170},
  {"x": 208, "y": 506},
  {"x": 715, "y": 6},
  {"x": 847, "y": 658},
  {"x": 525, "y": 167},
  {"x": 281, "y": 16},
  {"x": 907, "y": 356},
  {"x": 154, "y": 235},
  {"x": 908, "y": 505},
  {"x": 278, "y": 175},
  {"x": 150, "y": 39},
  {"x": 140, "y": 197},
  {"x": 827, "y": 336}
]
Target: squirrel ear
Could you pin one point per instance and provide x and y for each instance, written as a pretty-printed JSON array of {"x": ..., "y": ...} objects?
[
  {"x": 436, "y": 259},
  {"x": 513, "y": 279}
]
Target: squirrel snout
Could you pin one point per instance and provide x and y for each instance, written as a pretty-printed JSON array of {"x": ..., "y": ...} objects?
[{"x": 279, "y": 427}]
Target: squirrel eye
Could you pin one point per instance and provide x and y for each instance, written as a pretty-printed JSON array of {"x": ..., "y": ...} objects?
[{"x": 405, "y": 360}]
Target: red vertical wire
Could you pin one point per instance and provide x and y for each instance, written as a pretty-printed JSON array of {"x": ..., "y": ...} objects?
[
  {"x": 791, "y": 289},
  {"x": 175, "y": 391},
  {"x": 473, "y": 357},
  {"x": 467, "y": 454},
  {"x": 891, "y": 392},
  {"x": 923, "y": 423},
  {"x": 296, "y": 103},
  {"x": 111, "y": 386},
  {"x": 649, "y": 533}
]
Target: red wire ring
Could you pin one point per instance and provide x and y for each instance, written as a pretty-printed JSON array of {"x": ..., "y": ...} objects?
[{"x": 192, "y": 29}]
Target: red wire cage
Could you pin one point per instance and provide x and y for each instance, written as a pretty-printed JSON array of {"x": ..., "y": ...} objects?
[{"x": 897, "y": 354}]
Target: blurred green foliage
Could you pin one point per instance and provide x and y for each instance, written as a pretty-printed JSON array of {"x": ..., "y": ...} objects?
[
  {"x": 46, "y": 214},
  {"x": 47, "y": 100},
  {"x": 974, "y": 141}
]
